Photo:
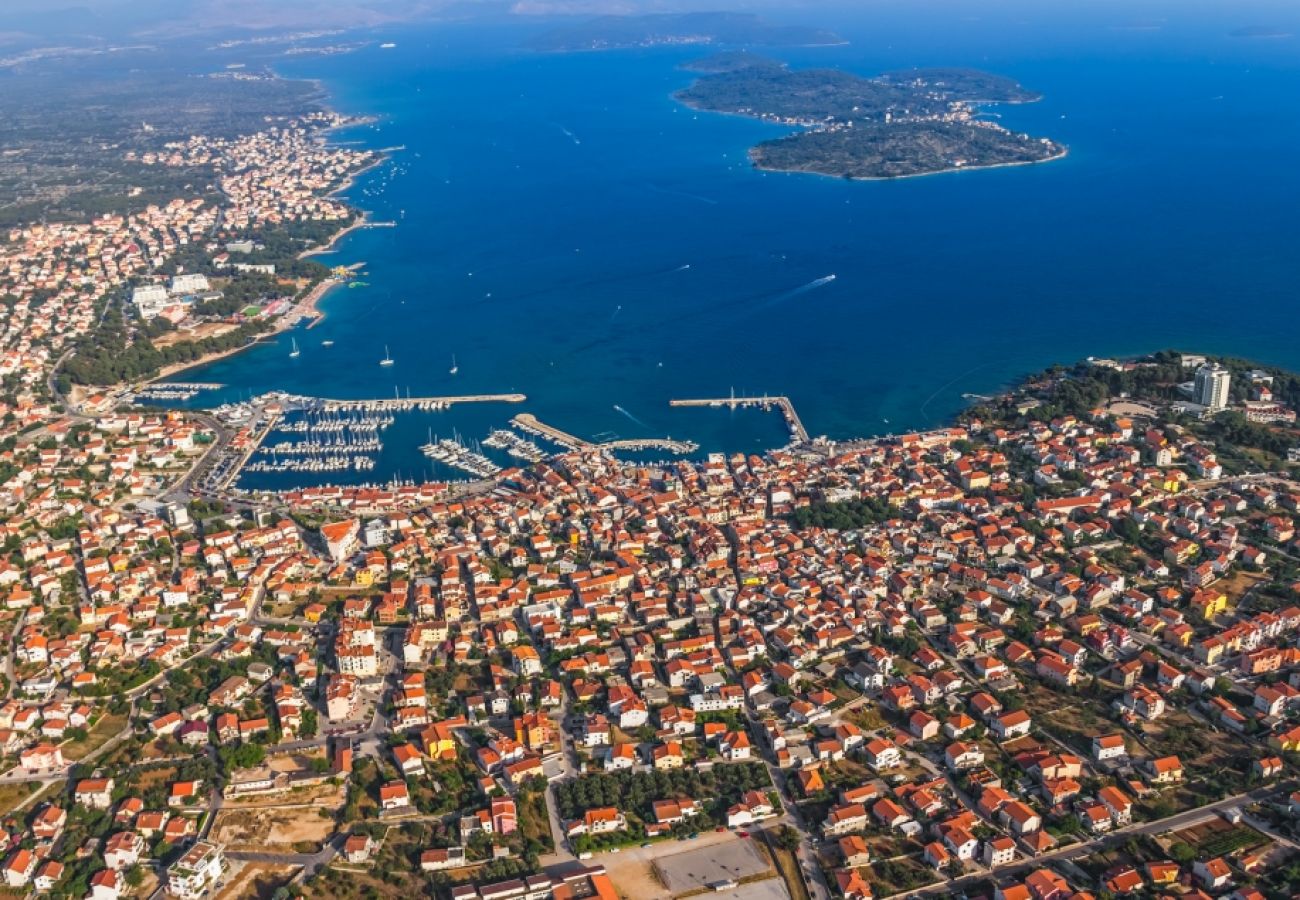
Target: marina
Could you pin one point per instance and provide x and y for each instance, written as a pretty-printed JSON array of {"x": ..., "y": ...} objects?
[
  {"x": 454, "y": 453},
  {"x": 173, "y": 391},
  {"x": 798, "y": 433},
  {"x": 514, "y": 445}
]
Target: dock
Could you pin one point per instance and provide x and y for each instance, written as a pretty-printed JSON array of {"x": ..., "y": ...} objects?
[
  {"x": 530, "y": 424},
  {"x": 798, "y": 433},
  {"x": 407, "y": 403}
]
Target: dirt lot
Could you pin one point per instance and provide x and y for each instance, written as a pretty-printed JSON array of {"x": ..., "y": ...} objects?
[
  {"x": 254, "y": 880},
  {"x": 255, "y": 829},
  {"x": 325, "y": 796},
  {"x": 293, "y": 763},
  {"x": 198, "y": 333}
]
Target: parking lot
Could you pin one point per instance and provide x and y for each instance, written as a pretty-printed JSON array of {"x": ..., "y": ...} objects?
[{"x": 701, "y": 867}]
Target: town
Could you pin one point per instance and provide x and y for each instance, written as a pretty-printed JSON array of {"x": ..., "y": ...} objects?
[{"x": 1049, "y": 651}]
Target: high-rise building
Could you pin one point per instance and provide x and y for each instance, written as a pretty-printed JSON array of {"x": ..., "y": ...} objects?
[{"x": 1212, "y": 386}]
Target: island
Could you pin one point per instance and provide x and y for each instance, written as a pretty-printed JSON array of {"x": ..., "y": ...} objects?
[
  {"x": 657, "y": 29},
  {"x": 895, "y": 125}
]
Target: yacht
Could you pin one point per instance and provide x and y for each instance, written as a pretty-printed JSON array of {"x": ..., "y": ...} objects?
[
  {"x": 388, "y": 357},
  {"x": 327, "y": 343},
  {"x": 454, "y": 368},
  {"x": 295, "y": 352}
]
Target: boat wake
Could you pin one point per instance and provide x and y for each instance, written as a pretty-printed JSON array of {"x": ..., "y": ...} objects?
[
  {"x": 567, "y": 133},
  {"x": 682, "y": 268},
  {"x": 658, "y": 190},
  {"x": 801, "y": 289},
  {"x": 620, "y": 409}
]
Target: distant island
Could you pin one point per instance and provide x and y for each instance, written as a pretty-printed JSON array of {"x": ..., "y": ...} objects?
[
  {"x": 620, "y": 32},
  {"x": 899, "y": 124}
]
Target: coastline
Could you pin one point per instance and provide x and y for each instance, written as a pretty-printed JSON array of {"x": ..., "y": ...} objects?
[
  {"x": 1065, "y": 151},
  {"x": 307, "y": 306}
]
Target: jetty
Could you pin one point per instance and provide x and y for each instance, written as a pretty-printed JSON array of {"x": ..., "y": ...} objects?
[
  {"x": 792, "y": 421},
  {"x": 409, "y": 403},
  {"x": 530, "y": 424}
]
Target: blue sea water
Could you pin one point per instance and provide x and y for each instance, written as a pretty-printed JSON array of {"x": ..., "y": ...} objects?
[{"x": 567, "y": 230}]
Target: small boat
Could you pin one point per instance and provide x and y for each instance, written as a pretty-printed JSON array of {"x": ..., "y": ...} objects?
[
  {"x": 388, "y": 357},
  {"x": 454, "y": 368},
  {"x": 327, "y": 343},
  {"x": 295, "y": 352}
]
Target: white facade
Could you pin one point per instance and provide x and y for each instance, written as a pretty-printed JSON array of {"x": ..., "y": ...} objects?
[
  {"x": 193, "y": 874},
  {"x": 1212, "y": 386},
  {"x": 189, "y": 284}
]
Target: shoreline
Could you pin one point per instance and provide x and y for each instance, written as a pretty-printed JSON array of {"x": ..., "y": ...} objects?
[
  {"x": 1065, "y": 151},
  {"x": 305, "y": 308},
  {"x": 290, "y": 318}
]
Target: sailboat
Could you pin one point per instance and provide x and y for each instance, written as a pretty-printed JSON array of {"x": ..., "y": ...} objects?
[
  {"x": 454, "y": 368},
  {"x": 295, "y": 352},
  {"x": 388, "y": 357}
]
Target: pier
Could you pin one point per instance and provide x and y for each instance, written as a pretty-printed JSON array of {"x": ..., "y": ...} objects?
[
  {"x": 530, "y": 424},
  {"x": 407, "y": 403},
  {"x": 792, "y": 421}
]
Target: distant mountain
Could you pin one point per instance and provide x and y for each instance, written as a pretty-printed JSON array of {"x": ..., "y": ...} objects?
[{"x": 615, "y": 32}]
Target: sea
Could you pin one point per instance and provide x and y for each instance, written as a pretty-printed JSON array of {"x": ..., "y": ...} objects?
[{"x": 565, "y": 229}]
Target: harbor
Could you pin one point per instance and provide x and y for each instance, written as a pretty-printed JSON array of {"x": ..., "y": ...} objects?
[
  {"x": 284, "y": 433},
  {"x": 798, "y": 433}
]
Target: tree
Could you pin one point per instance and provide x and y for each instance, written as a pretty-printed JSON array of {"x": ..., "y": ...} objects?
[
  {"x": 1182, "y": 853},
  {"x": 788, "y": 838}
]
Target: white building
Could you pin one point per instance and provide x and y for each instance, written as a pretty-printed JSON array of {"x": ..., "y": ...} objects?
[
  {"x": 1211, "y": 387},
  {"x": 189, "y": 284},
  {"x": 196, "y": 871},
  {"x": 150, "y": 300}
]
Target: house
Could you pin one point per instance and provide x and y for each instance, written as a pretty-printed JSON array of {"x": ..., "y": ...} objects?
[
  {"x": 436, "y": 860},
  {"x": 999, "y": 851},
  {"x": 601, "y": 820},
  {"x": 105, "y": 885},
  {"x": 753, "y": 807},
  {"x": 394, "y": 795},
  {"x": 1117, "y": 804},
  {"x": 1212, "y": 873},
  {"x": 19, "y": 868},
  {"x": 357, "y": 848},
  {"x": 1020, "y": 817},
  {"x": 1165, "y": 770},
  {"x": 1011, "y": 725},
  {"x": 123, "y": 850},
  {"x": 1109, "y": 746},
  {"x": 197, "y": 870},
  {"x": 94, "y": 793}
]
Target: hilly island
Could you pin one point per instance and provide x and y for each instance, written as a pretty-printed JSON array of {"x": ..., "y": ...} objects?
[{"x": 895, "y": 125}]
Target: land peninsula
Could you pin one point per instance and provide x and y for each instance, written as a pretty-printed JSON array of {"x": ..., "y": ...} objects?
[{"x": 898, "y": 124}]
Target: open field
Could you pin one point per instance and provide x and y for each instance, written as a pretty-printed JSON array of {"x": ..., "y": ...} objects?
[
  {"x": 197, "y": 333},
  {"x": 256, "y": 829},
  {"x": 12, "y": 795},
  {"x": 323, "y": 796},
  {"x": 104, "y": 729}
]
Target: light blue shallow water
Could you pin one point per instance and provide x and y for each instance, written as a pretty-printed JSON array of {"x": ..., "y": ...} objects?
[{"x": 575, "y": 192}]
